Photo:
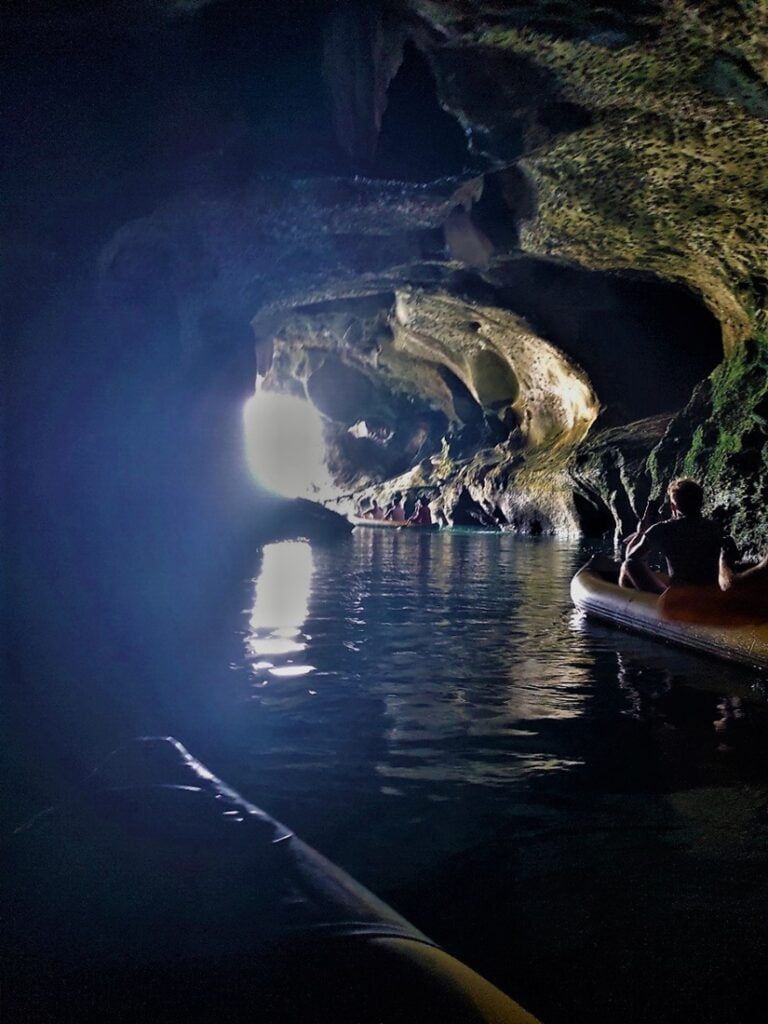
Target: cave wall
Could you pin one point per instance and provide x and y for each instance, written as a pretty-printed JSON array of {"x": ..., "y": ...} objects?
[
  {"x": 649, "y": 152},
  {"x": 721, "y": 438},
  {"x": 625, "y": 139},
  {"x": 196, "y": 193},
  {"x": 403, "y": 375},
  {"x": 668, "y": 174}
]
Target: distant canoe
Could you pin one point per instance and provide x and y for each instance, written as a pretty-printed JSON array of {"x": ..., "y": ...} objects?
[
  {"x": 391, "y": 524},
  {"x": 595, "y": 591}
]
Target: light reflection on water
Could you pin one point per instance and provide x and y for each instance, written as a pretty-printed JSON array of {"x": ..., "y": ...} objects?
[
  {"x": 580, "y": 792},
  {"x": 279, "y": 610},
  {"x": 438, "y": 660},
  {"x": 457, "y": 642}
]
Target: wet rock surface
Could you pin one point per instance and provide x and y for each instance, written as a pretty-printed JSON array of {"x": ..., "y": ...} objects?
[
  {"x": 721, "y": 437},
  {"x": 610, "y": 475}
]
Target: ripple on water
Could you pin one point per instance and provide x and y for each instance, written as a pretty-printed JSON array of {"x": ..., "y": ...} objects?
[
  {"x": 449, "y": 636},
  {"x": 451, "y": 725},
  {"x": 454, "y": 660}
]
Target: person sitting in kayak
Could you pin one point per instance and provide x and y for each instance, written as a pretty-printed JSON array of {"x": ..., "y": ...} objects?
[
  {"x": 422, "y": 515},
  {"x": 396, "y": 512},
  {"x": 690, "y": 544},
  {"x": 375, "y": 511}
]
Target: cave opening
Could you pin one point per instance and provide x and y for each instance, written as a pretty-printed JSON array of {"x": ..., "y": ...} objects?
[
  {"x": 419, "y": 140},
  {"x": 285, "y": 445},
  {"x": 645, "y": 342}
]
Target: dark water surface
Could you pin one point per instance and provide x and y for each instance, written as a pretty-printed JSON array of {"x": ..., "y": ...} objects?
[{"x": 579, "y": 813}]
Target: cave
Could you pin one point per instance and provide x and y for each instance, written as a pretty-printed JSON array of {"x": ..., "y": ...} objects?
[
  {"x": 505, "y": 261},
  {"x": 626, "y": 324},
  {"x": 437, "y": 147}
]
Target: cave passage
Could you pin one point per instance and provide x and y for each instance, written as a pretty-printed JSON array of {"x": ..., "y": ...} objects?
[
  {"x": 525, "y": 353},
  {"x": 419, "y": 141},
  {"x": 391, "y": 213},
  {"x": 645, "y": 343}
]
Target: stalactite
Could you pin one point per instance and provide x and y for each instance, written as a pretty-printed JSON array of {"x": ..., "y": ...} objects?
[{"x": 362, "y": 51}]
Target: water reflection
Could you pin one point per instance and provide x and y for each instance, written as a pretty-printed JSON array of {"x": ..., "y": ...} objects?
[
  {"x": 469, "y": 674},
  {"x": 463, "y": 730},
  {"x": 439, "y": 661},
  {"x": 444, "y": 660},
  {"x": 681, "y": 718},
  {"x": 280, "y": 609}
]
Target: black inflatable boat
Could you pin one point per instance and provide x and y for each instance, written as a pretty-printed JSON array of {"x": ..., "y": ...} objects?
[{"x": 159, "y": 894}]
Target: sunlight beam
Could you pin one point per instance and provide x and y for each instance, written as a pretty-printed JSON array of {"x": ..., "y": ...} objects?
[{"x": 284, "y": 445}]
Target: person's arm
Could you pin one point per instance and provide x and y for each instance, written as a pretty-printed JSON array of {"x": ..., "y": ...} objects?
[
  {"x": 649, "y": 518},
  {"x": 729, "y": 556},
  {"x": 643, "y": 543}
]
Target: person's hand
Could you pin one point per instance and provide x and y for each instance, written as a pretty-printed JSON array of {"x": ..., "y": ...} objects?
[{"x": 726, "y": 573}]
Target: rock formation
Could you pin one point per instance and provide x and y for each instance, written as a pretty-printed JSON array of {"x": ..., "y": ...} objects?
[{"x": 513, "y": 251}]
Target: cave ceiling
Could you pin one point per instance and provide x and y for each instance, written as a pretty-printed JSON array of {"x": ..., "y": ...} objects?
[{"x": 457, "y": 227}]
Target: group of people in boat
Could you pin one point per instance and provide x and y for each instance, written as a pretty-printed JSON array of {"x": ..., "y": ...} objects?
[
  {"x": 694, "y": 548},
  {"x": 696, "y": 551},
  {"x": 395, "y": 512}
]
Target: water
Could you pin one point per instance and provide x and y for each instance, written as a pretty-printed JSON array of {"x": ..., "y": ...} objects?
[
  {"x": 579, "y": 813},
  {"x": 425, "y": 675}
]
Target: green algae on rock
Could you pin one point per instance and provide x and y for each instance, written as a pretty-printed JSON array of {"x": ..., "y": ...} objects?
[{"x": 721, "y": 438}]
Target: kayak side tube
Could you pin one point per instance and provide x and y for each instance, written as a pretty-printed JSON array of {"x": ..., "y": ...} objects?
[
  {"x": 157, "y": 877},
  {"x": 600, "y": 598},
  {"x": 390, "y": 524}
]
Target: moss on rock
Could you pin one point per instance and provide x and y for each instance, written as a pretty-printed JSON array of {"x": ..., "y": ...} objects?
[
  {"x": 721, "y": 439},
  {"x": 670, "y": 175}
]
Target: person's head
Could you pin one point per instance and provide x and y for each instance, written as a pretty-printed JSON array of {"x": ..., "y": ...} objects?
[
  {"x": 686, "y": 496},
  {"x": 397, "y": 498},
  {"x": 375, "y": 503}
]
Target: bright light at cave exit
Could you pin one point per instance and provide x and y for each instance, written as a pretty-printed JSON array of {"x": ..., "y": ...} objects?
[{"x": 284, "y": 445}]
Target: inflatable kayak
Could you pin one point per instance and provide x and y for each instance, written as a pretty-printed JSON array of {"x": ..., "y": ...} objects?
[
  {"x": 159, "y": 893},
  {"x": 595, "y": 591},
  {"x": 390, "y": 524}
]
